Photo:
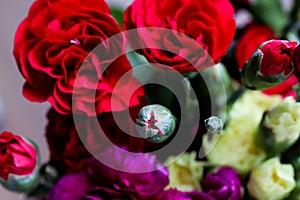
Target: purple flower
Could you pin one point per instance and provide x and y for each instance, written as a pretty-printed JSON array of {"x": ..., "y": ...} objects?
[
  {"x": 224, "y": 184},
  {"x": 178, "y": 195},
  {"x": 98, "y": 181}
]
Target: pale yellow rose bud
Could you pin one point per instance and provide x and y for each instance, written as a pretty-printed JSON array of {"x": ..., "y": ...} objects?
[
  {"x": 271, "y": 180},
  {"x": 280, "y": 127}
]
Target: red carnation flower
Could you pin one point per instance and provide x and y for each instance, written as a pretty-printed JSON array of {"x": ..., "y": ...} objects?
[
  {"x": 52, "y": 47},
  {"x": 196, "y": 26},
  {"x": 253, "y": 36}
]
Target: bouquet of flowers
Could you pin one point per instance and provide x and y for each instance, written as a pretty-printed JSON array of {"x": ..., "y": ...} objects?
[{"x": 169, "y": 99}]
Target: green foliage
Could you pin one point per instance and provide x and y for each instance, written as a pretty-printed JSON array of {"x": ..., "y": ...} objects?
[{"x": 271, "y": 13}]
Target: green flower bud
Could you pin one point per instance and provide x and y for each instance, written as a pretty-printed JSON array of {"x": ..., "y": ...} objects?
[
  {"x": 155, "y": 123},
  {"x": 21, "y": 184},
  {"x": 271, "y": 180},
  {"x": 280, "y": 127}
]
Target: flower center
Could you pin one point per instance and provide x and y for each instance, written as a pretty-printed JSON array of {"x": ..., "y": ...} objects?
[
  {"x": 285, "y": 51},
  {"x": 151, "y": 123},
  {"x": 75, "y": 42}
]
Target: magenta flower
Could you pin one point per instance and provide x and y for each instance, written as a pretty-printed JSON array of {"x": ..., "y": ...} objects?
[
  {"x": 178, "y": 195},
  {"x": 224, "y": 184},
  {"x": 98, "y": 181}
]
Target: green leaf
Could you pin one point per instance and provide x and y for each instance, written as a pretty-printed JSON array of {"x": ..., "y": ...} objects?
[
  {"x": 271, "y": 13},
  {"x": 117, "y": 13}
]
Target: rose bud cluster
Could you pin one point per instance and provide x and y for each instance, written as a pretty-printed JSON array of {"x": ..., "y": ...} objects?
[
  {"x": 269, "y": 65},
  {"x": 19, "y": 163},
  {"x": 280, "y": 127}
]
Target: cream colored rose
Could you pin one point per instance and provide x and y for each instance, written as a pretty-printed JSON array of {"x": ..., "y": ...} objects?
[
  {"x": 235, "y": 146},
  {"x": 185, "y": 173},
  {"x": 271, "y": 180},
  {"x": 252, "y": 105},
  {"x": 280, "y": 127}
]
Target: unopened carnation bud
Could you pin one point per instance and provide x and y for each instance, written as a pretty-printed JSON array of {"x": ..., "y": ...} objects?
[
  {"x": 269, "y": 65},
  {"x": 19, "y": 163},
  {"x": 271, "y": 180},
  {"x": 280, "y": 127},
  {"x": 155, "y": 123}
]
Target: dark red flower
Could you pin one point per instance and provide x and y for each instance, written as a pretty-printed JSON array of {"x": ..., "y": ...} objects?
[
  {"x": 52, "y": 47},
  {"x": 253, "y": 36},
  {"x": 70, "y": 146},
  {"x": 277, "y": 57},
  {"x": 296, "y": 62},
  {"x": 17, "y": 156},
  {"x": 195, "y": 25},
  {"x": 285, "y": 89},
  {"x": 67, "y": 152}
]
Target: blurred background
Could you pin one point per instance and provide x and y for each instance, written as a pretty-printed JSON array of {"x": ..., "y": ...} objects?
[{"x": 16, "y": 113}]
